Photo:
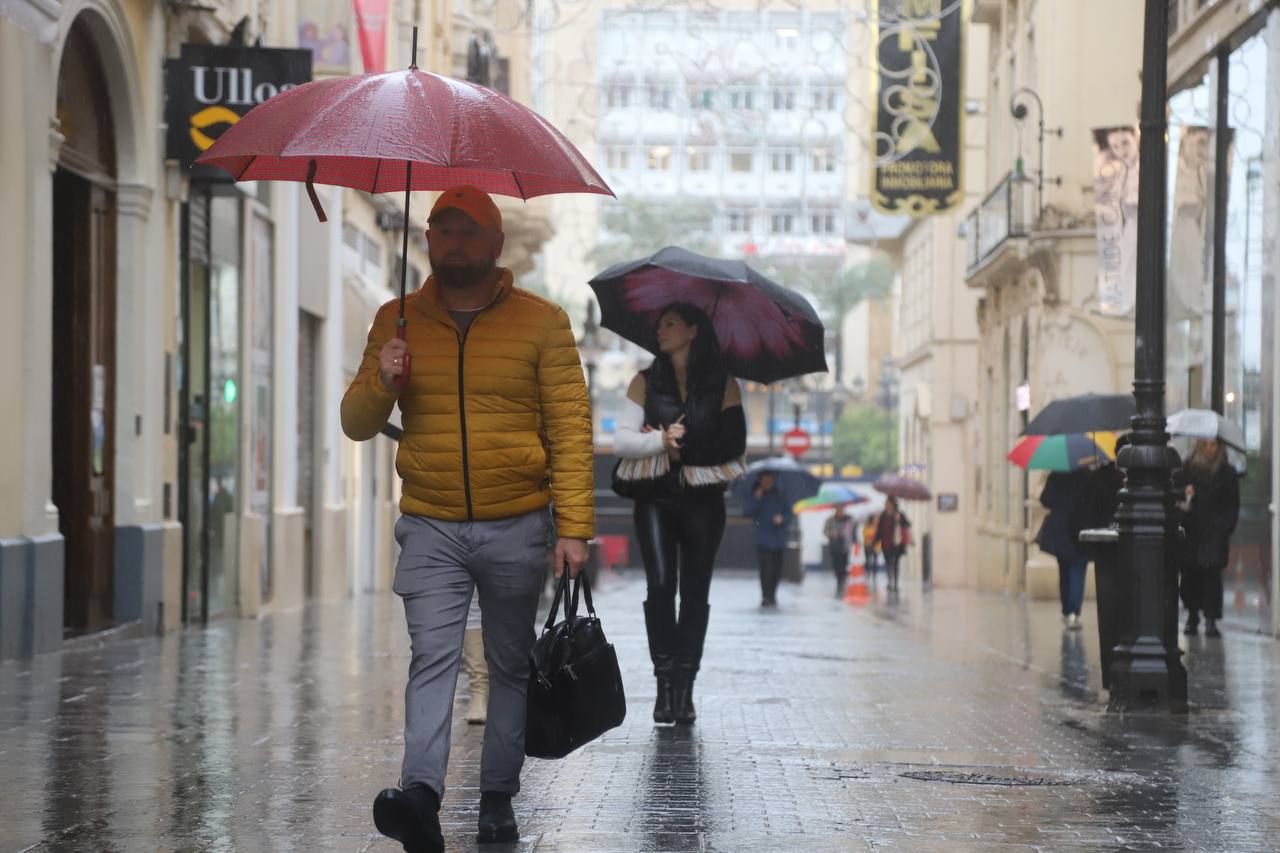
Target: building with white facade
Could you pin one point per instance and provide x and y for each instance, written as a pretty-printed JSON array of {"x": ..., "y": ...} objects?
[{"x": 741, "y": 112}]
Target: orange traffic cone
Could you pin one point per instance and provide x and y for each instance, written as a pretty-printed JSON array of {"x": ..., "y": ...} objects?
[{"x": 855, "y": 590}]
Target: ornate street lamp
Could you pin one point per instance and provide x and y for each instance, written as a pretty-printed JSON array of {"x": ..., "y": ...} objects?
[
  {"x": 1019, "y": 112},
  {"x": 1146, "y": 668}
]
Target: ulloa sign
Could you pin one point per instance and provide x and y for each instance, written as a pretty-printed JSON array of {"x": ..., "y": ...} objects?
[{"x": 209, "y": 87}]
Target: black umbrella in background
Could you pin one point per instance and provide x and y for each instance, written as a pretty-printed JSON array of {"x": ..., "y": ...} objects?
[
  {"x": 794, "y": 481},
  {"x": 1084, "y": 414},
  {"x": 766, "y": 331}
]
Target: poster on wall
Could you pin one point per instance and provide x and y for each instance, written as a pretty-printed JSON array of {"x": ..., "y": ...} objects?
[
  {"x": 1189, "y": 240},
  {"x": 324, "y": 28},
  {"x": 1115, "y": 201},
  {"x": 918, "y": 105}
]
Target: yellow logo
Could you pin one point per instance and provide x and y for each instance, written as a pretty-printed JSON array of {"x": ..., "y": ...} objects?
[{"x": 209, "y": 117}]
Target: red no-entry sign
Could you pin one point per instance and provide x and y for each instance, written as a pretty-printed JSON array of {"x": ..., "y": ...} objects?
[{"x": 796, "y": 442}]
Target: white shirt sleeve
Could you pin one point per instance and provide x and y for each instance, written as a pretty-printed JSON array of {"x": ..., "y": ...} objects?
[{"x": 629, "y": 439}]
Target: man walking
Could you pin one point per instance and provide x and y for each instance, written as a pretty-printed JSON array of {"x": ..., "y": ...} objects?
[
  {"x": 770, "y": 519},
  {"x": 497, "y": 428}
]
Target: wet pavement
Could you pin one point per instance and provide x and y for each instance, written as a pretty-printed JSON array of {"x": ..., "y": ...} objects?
[{"x": 953, "y": 720}]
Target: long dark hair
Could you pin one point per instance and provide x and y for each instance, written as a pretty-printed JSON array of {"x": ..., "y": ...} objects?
[{"x": 705, "y": 373}]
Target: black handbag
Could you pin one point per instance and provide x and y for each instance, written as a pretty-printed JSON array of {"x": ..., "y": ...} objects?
[
  {"x": 575, "y": 685},
  {"x": 665, "y": 488}
]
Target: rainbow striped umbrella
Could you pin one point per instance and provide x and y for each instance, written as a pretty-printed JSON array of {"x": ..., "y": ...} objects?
[
  {"x": 829, "y": 497},
  {"x": 1064, "y": 451}
]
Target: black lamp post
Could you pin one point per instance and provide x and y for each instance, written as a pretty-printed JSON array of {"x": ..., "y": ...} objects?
[{"x": 1146, "y": 667}]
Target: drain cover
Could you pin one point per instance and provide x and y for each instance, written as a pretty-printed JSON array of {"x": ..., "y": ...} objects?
[{"x": 1014, "y": 779}]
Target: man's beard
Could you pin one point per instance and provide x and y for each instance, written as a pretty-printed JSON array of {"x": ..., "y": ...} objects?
[{"x": 462, "y": 276}]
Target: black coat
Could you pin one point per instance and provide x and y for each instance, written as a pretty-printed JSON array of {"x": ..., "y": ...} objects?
[
  {"x": 1061, "y": 496},
  {"x": 1215, "y": 509}
]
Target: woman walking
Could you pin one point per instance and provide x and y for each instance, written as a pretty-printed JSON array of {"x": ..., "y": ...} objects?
[
  {"x": 680, "y": 442},
  {"x": 893, "y": 535},
  {"x": 1062, "y": 495},
  {"x": 1212, "y": 503}
]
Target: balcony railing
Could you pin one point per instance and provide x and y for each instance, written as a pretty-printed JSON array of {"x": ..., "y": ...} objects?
[{"x": 1003, "y": 214}]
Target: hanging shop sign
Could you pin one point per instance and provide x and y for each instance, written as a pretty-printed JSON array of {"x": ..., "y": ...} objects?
[
  {"x": 209, "y": 87},
  {"x": 918, "y": 97}
]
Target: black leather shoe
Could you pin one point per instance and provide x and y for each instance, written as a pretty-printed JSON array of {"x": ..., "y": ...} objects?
[
  {"x": 1211, "y": 628},
  {"x": 1193, "y": 627},
  {"x": 497, "y": 819},
  {"x": 410, "y": 816}
]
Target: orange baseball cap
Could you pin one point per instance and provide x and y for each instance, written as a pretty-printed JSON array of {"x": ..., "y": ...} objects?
[{"x": 474, "y": 202}]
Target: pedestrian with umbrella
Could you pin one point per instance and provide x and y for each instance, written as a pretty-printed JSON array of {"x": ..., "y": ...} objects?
[
  {"x": 1062, "y": 495},
  {"x": 679, "y": 442},
  {"x": 892, "y": 537},
  {"x": 1210, "y": 501},
  {"x": 771, "y": 516},
  {"x": 682, "y": 434},
  {"x": 496, "y": 422},
  {"x": 838, "y": 531}
]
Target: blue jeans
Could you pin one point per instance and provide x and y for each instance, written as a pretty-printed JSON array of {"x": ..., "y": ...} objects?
[{"x": 1071, "y": 575}]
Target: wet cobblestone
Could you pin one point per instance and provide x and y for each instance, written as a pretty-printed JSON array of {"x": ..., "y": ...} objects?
[{"x": 821, "y": 727}]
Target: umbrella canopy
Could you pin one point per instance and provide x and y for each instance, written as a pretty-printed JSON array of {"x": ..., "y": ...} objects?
[
  {"x": 1084, "y": 414},
  {"x": 766, "y": 332},
  {"x": 1066, "y": 452},
  {"x": 1204, "y": 423},
  {"x": 903, "y": 488},
  {"x": 403, "y": 130},
  {"x": 794, "y": 481},
  {"x": 829, "y": 496}
]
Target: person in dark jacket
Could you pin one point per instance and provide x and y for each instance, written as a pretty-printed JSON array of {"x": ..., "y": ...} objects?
[
  {"x": 683, "y": 430},
  {"x": 893, "y": 535},
  {"x": 1211, "y": 499},
  {"x": 1062, "y": 495},
  {"x": 770, "y": 520}
]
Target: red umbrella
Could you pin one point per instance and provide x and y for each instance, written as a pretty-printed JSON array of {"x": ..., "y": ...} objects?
[{"x": 402, "y": 130}]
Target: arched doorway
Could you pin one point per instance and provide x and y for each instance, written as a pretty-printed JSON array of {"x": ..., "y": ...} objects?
[{"x": 84, "y": 332}]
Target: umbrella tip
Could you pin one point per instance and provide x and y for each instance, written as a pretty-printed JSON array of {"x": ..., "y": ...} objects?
[{"x": 413, "y": 52}]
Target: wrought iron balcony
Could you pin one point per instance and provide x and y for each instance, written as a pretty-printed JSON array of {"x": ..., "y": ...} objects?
[{"x": 1004, "y": 214}]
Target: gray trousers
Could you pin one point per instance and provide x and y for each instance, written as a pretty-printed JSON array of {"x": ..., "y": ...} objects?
[{"x": 440, "y": 562}]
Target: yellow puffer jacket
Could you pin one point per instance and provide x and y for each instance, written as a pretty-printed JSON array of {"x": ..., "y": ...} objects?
[{"x": 496, "y": 423}]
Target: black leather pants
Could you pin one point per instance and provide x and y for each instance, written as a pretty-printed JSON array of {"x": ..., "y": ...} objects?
[{"x": 678, "y": 543}]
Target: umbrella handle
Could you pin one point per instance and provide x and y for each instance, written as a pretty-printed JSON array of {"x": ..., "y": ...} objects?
[{"x": 402, "y": 381}]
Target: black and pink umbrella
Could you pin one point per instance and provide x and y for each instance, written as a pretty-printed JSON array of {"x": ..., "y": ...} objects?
[{"x": 767, "y": 333}]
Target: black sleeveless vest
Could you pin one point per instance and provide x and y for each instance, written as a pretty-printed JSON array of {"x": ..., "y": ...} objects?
[{"x": 701, "y": 419}]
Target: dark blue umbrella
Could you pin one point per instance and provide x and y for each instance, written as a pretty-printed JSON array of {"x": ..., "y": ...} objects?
[{"x": 794, "y": 481}]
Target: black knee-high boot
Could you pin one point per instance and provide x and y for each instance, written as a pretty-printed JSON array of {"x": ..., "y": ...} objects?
[
  {"x": 660, "y": 624},
  {"x": 691, "y": 633}
]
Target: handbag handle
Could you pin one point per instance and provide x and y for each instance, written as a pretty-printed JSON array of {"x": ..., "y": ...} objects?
[
  {"x": 562, "y": 593},
  {"x": 580, "y": 584},
  {"x": 586, "y": 594}
]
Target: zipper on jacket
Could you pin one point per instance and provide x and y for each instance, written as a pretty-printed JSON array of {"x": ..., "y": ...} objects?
[{"x": 462, "y": 415}]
